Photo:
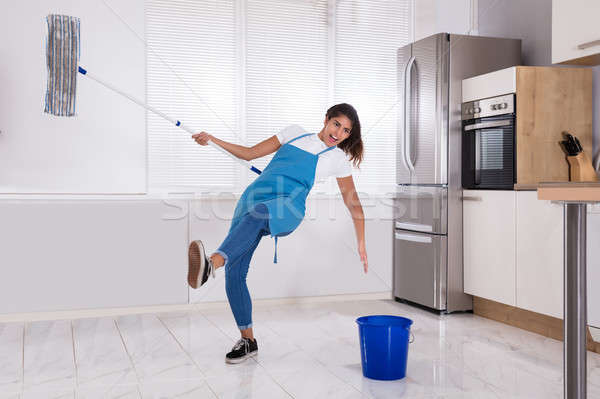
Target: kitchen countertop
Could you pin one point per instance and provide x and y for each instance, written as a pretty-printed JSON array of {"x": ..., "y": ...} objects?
[{"x": 569, "y": 191}]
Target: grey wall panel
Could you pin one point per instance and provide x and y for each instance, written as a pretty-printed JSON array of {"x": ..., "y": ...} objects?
[
  {"x": 83, "y": 254},
  {"x": 530, "y": 21}
]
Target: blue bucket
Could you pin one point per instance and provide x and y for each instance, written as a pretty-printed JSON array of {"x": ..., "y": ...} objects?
[{"x": 384, "y": 346}]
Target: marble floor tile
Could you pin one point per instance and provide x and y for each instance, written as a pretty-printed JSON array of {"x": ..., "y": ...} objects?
[
  {"x": 42, "y": 393},
  {"x": 425, "y": 378},
  {"x": 205, "y": 343},
  {"x": 297, "y": 330},
  {"x": 256, "y": 384},
  {"x": 593, "y": 391},
  {"x": 48, "y": 356},
  {"x": 305, "y": 351},
  {"x": 155, "y": 353},
  {"x": 100, "y": 354},
  {"x": 11, "y": 358},
  {"x": 436, "y": 377},
  {"x": 222, "y": 320},
  {"x": 593, "y": 366},
  {"x": 333, "y": 351},
  {"x": 180, "y": 390},
  {"x": 337, "y": 325},
  {"x": 315, "y": 382},
  {"x": 280, "y": 355},
  {"x": 502, "y": 364},
  {"x": 109, "y": 392}
]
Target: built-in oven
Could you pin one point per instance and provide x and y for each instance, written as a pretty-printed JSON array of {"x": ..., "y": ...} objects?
[{"x": 488, "y": 143}]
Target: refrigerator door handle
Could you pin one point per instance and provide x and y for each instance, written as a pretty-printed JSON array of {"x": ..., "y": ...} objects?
[
  {"x": 414, "y": 226},
  {"x": 477, "y": 157},
  {"x": 412, "y": 237},
  {"x": 407, "y": 93}
]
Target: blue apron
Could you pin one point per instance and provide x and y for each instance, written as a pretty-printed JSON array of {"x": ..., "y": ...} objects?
[{"x": 283, "y": 187}]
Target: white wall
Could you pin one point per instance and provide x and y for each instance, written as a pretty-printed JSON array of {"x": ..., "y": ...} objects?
[
  {"x": 103, "y": 148},
  {"x": 435, "y": 16}
]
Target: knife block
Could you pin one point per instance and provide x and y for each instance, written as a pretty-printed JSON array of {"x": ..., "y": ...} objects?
[{"x": 581, "y": 169}]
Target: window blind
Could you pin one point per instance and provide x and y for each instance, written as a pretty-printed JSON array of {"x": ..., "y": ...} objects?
[
  {"x": 286, "y": 67},
  {"x": 192, "y": 66},
  {"x": 368, "y": 35}
]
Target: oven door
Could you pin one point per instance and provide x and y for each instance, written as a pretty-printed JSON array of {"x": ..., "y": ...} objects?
[{"x": 488, "y": 153}]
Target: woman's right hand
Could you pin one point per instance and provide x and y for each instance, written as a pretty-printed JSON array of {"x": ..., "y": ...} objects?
[{"x": 202, "y": 138}]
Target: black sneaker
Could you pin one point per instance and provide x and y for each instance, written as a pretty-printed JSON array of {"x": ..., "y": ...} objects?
[
  {"x": 242, "y": 350},
  {"x": 199, "y": 266}
]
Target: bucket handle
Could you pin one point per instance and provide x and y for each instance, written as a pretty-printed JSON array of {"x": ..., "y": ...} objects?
[{"x": 412, "y": 338}]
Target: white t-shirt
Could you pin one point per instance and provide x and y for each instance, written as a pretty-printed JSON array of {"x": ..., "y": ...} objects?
[{"x": 331, "y": 163}]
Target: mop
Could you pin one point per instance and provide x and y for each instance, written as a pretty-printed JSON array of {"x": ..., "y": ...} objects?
[{"x": 62, "y": 58}]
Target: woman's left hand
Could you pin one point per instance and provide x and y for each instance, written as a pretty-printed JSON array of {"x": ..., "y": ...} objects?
[{"x": 362, "y": 252}]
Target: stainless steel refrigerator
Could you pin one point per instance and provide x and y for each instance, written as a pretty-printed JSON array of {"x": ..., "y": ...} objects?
[{"x": 428, "y": 245}]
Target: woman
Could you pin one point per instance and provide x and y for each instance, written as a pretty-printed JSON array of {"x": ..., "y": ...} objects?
[{"x": 275, "y": 204}]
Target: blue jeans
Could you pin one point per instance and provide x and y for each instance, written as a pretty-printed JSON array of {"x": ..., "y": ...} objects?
[{"x": 237, "y": 250}]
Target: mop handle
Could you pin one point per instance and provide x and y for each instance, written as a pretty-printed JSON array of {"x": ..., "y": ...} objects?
[{"x": 173, "y": 121}]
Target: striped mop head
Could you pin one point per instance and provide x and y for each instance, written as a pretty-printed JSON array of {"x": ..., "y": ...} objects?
[{"x": 62, "y": 56}]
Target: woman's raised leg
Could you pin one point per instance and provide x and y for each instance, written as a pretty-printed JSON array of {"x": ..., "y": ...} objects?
[{"x": 240, "y": 238}]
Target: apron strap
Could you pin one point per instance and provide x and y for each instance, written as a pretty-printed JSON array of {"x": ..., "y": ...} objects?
[
  {"x": 326, "y": 149},
  {"x": 299, "y": 137},
  {"x": 275, "y": 256}
]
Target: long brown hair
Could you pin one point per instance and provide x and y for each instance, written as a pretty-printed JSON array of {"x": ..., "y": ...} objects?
[{"x": 353, "y": 145}]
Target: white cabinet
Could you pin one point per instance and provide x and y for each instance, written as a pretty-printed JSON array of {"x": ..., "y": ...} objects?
[
  {"x": 575, "y": 25},
  {"x": 489, "y": 244},
  {"x": 514, "y": 251},
  {"x": 539, "y": 243}
]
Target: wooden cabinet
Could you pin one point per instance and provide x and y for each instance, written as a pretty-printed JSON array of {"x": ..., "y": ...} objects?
[
  {"x": 489, "y": 244},
  {"x": 539, "y": 255},
  {"x": 550, "y": 101},
  {"x": 575, "y": 33}
]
